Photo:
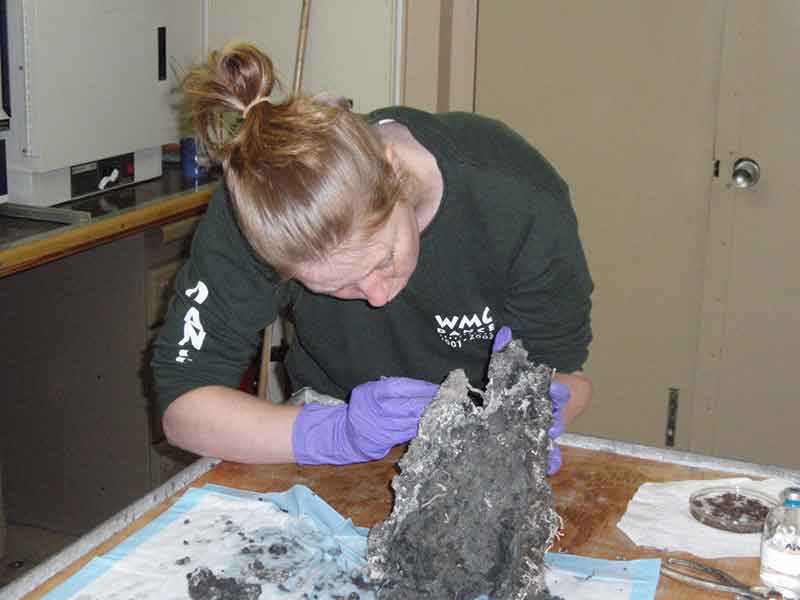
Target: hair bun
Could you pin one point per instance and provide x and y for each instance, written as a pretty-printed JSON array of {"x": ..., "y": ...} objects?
[{"x": 247, "y": 73}]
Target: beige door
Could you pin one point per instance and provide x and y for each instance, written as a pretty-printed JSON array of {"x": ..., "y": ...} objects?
[
  {"x": 634, "y": 102},
  {"x": 747, "y": 393},
  {"x": 620, "y": 96}
]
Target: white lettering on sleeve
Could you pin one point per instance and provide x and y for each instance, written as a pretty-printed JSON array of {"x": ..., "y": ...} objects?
[
  {"x": 201, "y": 290},
  {"x": 193, "y": 330}
]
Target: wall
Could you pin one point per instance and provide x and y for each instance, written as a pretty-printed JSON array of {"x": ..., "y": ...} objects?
[
  {"x": 440, "y": 45},
  {"x": 350, "y": 45}
]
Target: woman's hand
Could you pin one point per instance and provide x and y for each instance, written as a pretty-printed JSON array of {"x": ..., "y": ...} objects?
[{"x": 380, "y": 415}]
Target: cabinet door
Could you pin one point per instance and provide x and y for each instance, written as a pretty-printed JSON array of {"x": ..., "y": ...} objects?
[
  {"x": 621, "y": 97},
  {"x": 696, "y": 288},
  {"x": 747, "y": 398}
]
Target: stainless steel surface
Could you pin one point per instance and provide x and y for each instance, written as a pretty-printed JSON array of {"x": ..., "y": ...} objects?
[
  {"x": 746, "y": 173},
  {"x": 686, "y": 459},
  {"x": 40, "y": 213},
  {"x": 15, "y": 230}
]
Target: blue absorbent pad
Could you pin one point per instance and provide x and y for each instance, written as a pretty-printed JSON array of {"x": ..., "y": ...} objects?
[
  {"x": 580, "y": 577},
  {"x": 289, "y": 544}
]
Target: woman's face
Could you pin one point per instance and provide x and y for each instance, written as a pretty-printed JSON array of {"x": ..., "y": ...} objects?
[{"x": 376, "y": 270}]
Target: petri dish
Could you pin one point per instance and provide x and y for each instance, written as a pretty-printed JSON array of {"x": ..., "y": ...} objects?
[{"x": 730, "y": 508}]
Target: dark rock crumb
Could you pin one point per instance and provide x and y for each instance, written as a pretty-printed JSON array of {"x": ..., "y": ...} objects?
[
  {"x": 204, "y": 585},
  {"x": 278, "y": 549},
  {"x": 473, "y": 510},
  {"x": 183, "y": 561}
]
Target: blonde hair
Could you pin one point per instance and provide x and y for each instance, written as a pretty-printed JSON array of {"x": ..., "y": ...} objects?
[{"x": 304, "y": 175}]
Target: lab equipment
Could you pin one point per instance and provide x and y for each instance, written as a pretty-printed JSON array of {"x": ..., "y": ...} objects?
[
  {"x": 90, "y": 96},
  {"x": 711, "y": 578},
  {"x": 780, "y": 545},
  {"x": 731, "y": 508}
]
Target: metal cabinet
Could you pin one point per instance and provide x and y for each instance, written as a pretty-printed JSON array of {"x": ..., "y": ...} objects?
[
  {"x": 74, "y": 419},
  {"x": 80, "y": 438}
]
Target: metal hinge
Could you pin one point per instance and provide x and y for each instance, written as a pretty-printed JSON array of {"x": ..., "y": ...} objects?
[
  {"x": 716, "y": 168},
  {"x": 672, "y": 417}
]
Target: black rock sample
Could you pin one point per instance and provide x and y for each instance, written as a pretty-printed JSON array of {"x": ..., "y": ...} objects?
[
  {"x": 473, "y": 512},
  {"x": 204, "y": 585}
]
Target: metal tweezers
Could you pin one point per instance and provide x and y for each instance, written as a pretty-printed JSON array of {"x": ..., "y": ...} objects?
[{"x": 703, "y": 576}]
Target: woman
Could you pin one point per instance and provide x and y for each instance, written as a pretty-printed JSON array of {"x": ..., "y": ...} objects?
[{"x": 401, "y": 241}]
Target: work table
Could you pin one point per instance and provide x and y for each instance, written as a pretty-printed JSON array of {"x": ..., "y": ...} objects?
[
  {"x": 27, "y": 243},
  {"x": 591, "y": 494}
]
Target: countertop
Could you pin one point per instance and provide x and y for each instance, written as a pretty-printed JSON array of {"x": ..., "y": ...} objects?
[
  {"x": 26, "y": 243},
  {"x": 591, "y": 492}
]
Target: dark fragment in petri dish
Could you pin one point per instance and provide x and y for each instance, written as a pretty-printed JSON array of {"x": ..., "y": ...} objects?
[{"x": 729, "y": 510}]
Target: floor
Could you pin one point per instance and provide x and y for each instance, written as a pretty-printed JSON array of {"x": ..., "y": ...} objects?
[{"x": 26, "y": 547}]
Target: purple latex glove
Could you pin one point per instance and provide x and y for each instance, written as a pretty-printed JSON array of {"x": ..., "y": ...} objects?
[
  {"x": 559, "y": 396},
  {"x": 380, "y": 415}
]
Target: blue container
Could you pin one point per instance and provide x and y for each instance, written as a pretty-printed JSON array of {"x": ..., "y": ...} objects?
[{"x": 190, "y": 166}]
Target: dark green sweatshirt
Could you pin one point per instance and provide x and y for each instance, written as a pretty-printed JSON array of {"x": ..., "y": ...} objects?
[{"x": 503, "y": 249}]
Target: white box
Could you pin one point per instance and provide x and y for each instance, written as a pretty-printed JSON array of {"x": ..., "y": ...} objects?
[{"x": 89, "y": 80}]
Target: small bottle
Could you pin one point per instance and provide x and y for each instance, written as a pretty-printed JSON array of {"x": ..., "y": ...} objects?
[{"x": 780, "y": 545}]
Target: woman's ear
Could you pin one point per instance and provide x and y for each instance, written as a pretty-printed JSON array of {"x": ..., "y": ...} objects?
[
  {"x": 391, "y": 155},
  {"x": 332, "y": 100}
]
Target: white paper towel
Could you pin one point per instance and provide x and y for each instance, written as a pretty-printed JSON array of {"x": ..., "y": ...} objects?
[{"x": 658, "y": 517}]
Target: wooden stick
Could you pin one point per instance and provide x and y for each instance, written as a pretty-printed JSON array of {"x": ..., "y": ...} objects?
[
  {"x": 302, "y": 40},
  {"x": 266, "y": 347}
]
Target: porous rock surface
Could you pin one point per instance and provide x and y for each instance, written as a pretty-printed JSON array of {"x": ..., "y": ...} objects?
[{"x": 473, "y": 512}]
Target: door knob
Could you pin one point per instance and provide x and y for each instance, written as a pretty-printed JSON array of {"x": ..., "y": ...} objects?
[{"x": 746, "y": 173}]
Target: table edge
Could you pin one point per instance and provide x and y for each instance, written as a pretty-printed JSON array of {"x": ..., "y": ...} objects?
[{"x": 75, "y": 238}]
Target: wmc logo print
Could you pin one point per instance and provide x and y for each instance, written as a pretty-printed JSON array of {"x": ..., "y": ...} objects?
[{"x": 457, "y": 330}]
